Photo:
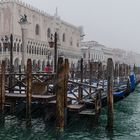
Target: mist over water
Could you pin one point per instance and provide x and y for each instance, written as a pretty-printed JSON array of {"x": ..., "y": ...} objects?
[{"x": 126, "y": 125}]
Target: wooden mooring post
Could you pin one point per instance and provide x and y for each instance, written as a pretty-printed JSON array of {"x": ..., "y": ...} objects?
[
  {"x": 11, "y": 68},
  {"x": 110, "y": 70},
  {"x": 66, "y": 77},
  {"x": 28, "y": 93},
  {"x": 103, "y": 76},
  {"x": 90, "y": 75},
  {"x": 20, "y": 79},
  {"x": 2, "y": 92},
  {"x": 80, "y": 92},
  {"x": 98, "y": 105},
  {"x": 61, "y": 99}
]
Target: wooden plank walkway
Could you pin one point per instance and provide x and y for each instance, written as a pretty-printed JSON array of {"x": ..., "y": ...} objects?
[
  {"x": 75, "y": 107},
  {"x": 54, "y": 101},
  {"x": 87, "y": 112},
  {"x": 17, "y": 95}
]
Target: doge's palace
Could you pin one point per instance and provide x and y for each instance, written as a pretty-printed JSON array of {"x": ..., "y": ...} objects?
[{"x": 38, "y": 33}]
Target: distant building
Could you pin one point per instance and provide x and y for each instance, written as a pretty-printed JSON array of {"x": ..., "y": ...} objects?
[
  {"x": 137, "y": 59},
  {"x": 107, "y": 53},
  {"x": 93, "y": 51},
  {"x": 37, "y": 36},
  {"x": 119, "y": 55},
  {"x": 133, "y": 58}
]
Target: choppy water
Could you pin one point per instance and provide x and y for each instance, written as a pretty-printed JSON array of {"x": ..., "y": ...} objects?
[{"x": 126, "y": 125}]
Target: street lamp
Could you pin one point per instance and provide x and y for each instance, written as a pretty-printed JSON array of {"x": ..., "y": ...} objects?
[
  {"x": 54, "y": 44},
  {"x": 23, "y": 22}
]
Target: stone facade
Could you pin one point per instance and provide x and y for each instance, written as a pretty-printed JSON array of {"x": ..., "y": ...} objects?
[
  {"x": 93, "y": 51},
  {"x": 37, "y": 35}
]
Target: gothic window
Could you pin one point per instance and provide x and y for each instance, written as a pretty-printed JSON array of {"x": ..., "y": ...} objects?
[
  {"x": 35, "y": 50},
  {"x": 37, "y": 30},
  {"x": 17, "y": 47},
  {"x": 84, "y": 55},
  {"x": 64, "y": 38},
  {"x": 71, "y": 42},
  {"x": 46, "y": 52},
  {"x": 42, "y": 51},
  {"x": 4, "y": 48},
  {"x": 14, "y": 49},
  {"x": 49, "y": 33},
  {"x": 32, "y": 50},
  {"x": 20, "y": 48}
]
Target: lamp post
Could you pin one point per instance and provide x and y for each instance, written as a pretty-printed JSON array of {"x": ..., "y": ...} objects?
[
  {"x": 23, "y": 22},
  {"x": 54, "y": 44}
]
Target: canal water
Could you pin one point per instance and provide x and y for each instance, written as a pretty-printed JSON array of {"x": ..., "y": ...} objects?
[{"x": 126, "y": 125}]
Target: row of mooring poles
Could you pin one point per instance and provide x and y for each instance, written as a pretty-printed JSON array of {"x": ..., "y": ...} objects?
[
  {"x": 28, "y": 92},
  {"x": 96, "y": 67},
  {"x": 61, "y": 93},
  {"x": 110, "y": 74},
  {"x": 121, "y": 70}
]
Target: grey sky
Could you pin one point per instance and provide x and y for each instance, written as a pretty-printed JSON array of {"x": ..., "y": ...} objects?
[{"x": 114, "y": 23}]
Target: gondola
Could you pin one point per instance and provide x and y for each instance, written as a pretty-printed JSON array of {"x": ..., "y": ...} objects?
[{"x": 117, "y": 95}]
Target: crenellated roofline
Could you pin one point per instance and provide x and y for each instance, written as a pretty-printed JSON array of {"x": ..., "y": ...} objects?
[{"x": 42, "y": 12}]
